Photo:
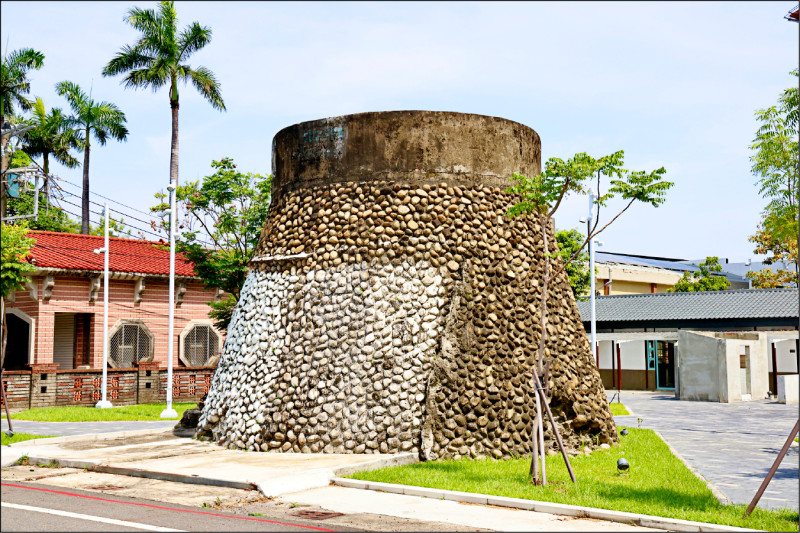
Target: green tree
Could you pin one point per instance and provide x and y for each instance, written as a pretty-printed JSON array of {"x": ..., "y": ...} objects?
[
  {"x": 14, "y": 85},
  {"x": 541, "y": 195},
  {"x": 705, "y": 280},
  {"x": 783, "y": 250},
  {"x": 578, "y": 269},
  {"x": 776, "y": 163},
  {"x": 14, "y": 248},
  {"x": 89, "y": 118},
  {"x": 159, "y": 58},
  {"x": 50, "y": 136},
  {"x": 225, "y": 215}
]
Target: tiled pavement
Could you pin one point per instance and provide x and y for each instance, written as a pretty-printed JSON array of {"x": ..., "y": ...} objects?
[
  {"x": 733, "y": 445},
  {"x": 83, "y": 428}
]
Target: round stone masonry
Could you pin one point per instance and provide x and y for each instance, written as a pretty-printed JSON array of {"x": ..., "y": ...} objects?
[{"x": 393, "y": 306}]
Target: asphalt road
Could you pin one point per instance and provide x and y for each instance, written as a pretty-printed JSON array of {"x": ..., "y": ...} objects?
[{"x": 37, "y": 507}]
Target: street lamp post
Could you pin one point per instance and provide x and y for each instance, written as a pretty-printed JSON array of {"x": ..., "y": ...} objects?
[
  {"x": 592, "y": 296},
  {"x": 169, "y": 412},
  {"x": 104, "y": 403}
]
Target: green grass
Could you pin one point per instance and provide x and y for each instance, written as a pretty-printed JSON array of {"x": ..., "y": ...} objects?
[
  {"x": 145, "y": 411},
  {"x": 658, "y": 483},
  {"x": 19, "y": 437},
  {"x": 618, "y": 409}
]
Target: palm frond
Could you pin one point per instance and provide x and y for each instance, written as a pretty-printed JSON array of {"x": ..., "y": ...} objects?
[
  {"x": 127, "y": 59},
  {"x": 207, "y": 85},
  {"x": 24, "y": 59},
  {"x": 192, "y": 39}
]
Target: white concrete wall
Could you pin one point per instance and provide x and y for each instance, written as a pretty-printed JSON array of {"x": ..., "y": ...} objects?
[
  {"x": 702, "y": 366},
  {"x": 632, "y": 355},
  {"x": 788, "y": 389},
  {"x": 605, "y": 355},
  {"x": 785, "y": 355}
]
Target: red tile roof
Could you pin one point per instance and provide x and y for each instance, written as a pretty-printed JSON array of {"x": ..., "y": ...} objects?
[{"x": 74, "y": 251}]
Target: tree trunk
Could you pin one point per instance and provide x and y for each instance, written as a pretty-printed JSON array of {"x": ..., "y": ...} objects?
[
  {"x": 3, "y": 166},
  {"x": 538, "y": 429},
  {"x": 173, "y": 158},
  {"x": 85, "y": 198}
]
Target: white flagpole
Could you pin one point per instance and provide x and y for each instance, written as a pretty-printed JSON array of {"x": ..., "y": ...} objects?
[
  {"x": 169, "y": 412},
  {"x": 104, "y": 403}
]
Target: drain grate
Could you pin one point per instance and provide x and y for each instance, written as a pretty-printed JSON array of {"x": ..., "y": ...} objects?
[
  {"x": 316, "y": 515},
  {"x": 106, "y": 487}
]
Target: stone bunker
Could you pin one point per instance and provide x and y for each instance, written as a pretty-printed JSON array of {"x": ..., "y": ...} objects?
[{"x": 393, "y": 306}]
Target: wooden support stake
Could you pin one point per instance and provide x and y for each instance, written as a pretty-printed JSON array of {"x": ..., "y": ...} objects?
[
  {"x": 5, "y": 401},
  {"x": 772, "y": 470},
  {"x": 538, "y": 386}
]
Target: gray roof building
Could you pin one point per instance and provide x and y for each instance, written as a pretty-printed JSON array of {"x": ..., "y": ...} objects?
[{"x": 750, "y": 309}]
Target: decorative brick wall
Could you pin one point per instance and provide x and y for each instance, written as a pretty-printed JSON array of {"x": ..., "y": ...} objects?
[
  {"x": 17, "y": 384},
  {"x": 45, "y": 386}
]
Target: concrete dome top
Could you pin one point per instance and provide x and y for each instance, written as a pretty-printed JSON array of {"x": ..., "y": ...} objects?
[{"x": 408, "y": 146}]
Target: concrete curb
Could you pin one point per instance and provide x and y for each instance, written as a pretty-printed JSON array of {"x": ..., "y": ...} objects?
[
  {"x": 718, "y": 494},
  {"x": 397, "y": 460},
  {"x": 671, "y": 524}
]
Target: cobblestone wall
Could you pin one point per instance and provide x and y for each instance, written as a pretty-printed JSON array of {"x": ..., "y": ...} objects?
[{"x": 400, "y": 315}]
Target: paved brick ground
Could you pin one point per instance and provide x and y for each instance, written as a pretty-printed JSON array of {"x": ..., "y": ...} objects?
[
  {"x": 83, "y": 428},
  {"x": 733, "y": 445}
]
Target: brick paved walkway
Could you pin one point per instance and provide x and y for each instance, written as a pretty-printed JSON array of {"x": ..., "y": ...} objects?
[{"x": 733, "y": 445}]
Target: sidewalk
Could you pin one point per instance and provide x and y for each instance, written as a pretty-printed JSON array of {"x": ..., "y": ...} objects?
[{"x": 306, "y": 478}]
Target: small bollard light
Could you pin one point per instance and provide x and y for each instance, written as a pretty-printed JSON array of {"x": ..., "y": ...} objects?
[
  {"x": 623, "y": 464},
  {"x": 9, "y": 434},
  {"x": 624, "y": 431}
]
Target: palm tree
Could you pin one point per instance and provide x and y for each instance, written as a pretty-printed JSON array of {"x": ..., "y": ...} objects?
[
  {"x": 50, "y": 136},
  {"x": 159, "y": 58},
  {"x": 14, "y": 85},
  {"x": 88, "y": 117}
]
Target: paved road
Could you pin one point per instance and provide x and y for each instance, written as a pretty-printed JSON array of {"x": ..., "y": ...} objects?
[
  {"x": 733, "y": 445},
  {"x": 83, "y": 428},
  {"x": 37, "y": 507}
]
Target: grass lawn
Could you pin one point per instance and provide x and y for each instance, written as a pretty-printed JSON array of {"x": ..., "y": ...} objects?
[
  {"x": 19, "y": 437},
  {"x": 658, "y": 483},
  {"x": 145, "y": 411},
  {"x": 618, "y": 409}
]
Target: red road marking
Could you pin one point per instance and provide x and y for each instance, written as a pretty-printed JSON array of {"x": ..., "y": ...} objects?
[{"x": 164, "y": 508}]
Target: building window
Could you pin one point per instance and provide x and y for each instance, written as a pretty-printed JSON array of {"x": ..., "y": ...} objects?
[
  {"x": 200, "y": 345},
  {"x": 130, "y": 342}
]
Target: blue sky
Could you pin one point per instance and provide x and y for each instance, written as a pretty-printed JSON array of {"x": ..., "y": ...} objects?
[{"x": 673, "y": 84}]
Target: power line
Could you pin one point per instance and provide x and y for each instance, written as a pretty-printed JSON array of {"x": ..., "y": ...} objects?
[
  {"x": 105, "y": 197},
  {"x": 201, "y": 241},
  {"x": 101, "y": 214}
]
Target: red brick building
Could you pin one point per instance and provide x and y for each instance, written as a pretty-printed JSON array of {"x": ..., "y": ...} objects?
[{"x": 58, "y": 318}]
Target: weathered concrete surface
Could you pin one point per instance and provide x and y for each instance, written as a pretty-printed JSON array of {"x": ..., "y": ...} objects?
[
  {"x": 133, "y": 487},
  {"x": 393, "y": 306},
  {"x": 184, "y": 460},
  {"x": 407, "y": 146},
  {"x": 788, "y": 389},
  {"x": 348, "y": 500}
]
